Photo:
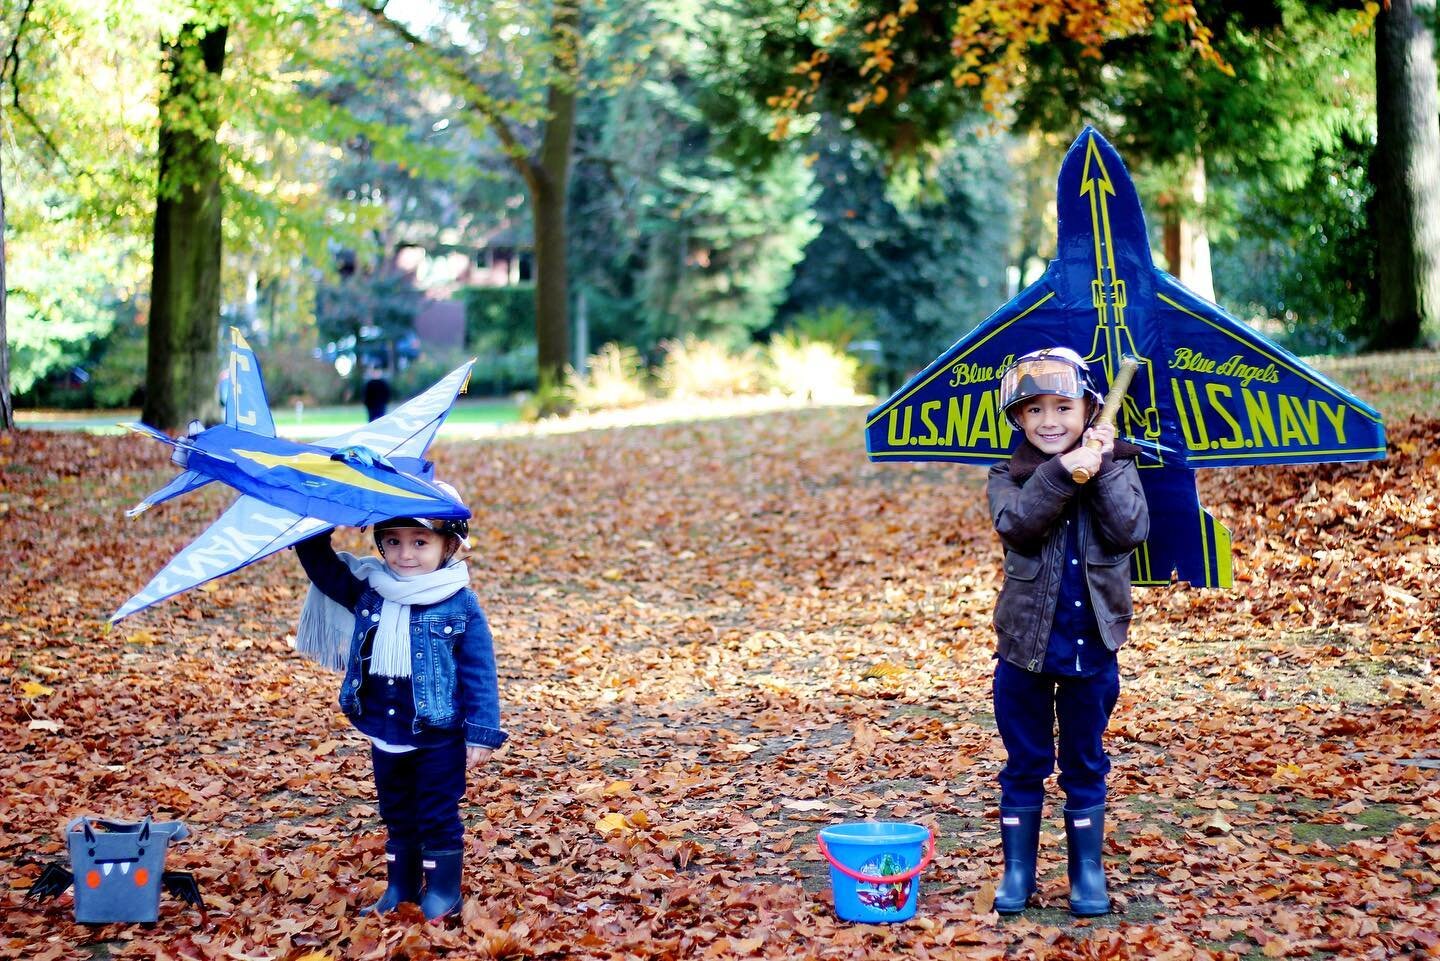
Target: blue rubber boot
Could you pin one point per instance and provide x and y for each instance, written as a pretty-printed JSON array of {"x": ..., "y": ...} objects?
[
  {"x": 442, "y": 883},
  {"x": 1084, "y": 836},
  {"x": 402, "y": 864},
  {"x": 1020, "y": 838}
]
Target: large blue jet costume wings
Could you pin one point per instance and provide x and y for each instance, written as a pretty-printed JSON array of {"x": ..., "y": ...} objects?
[
  {"x": 290, "y": 491},
  {"x": 1210, "y": 391}
]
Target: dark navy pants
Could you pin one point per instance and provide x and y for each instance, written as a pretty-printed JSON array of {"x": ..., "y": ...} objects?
[
  {"x": 420, "y": 793},
  {"x": 1027, "y": 707}
]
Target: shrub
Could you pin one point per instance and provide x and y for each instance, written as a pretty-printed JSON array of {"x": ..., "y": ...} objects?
[
  {"x": 292, "y": 372},
  {"x": 836, "y": 324},
  {"x": 702, "y": 368},
  {"x": 818, "y": 371},
  {"x": 117, "y": 379},
  {"x": 499, "y": 319},
  {"x": 551, "y": 399},
  {"x": 500, "y": 372},
  {"x": 422, "y": 372},
  {"x": 616, "y": 379}
]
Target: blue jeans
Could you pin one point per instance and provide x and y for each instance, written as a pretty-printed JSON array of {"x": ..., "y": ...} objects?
[
  {"x": 420, "y": 793},
  {"x": 1027, "y": 707}
]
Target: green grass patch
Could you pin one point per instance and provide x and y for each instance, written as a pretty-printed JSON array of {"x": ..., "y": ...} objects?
[
  {"x": 465, "y": 411},
  {"x": 1377, "y": 820}
]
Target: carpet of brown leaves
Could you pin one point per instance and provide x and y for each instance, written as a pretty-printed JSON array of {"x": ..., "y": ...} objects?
[{"x": 714, "y": 639}]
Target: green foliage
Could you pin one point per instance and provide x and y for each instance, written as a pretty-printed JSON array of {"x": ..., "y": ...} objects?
[
  {"x": 615, "y": 378},
  {"x": 923, "y": 268},
  {"x": 837, "y": 324},
  {"x": 503, "y": 373},
  {"x": 695, "y": 368},
  {"x": 499, "y": 319},
  {"x": 53, "y": 321},
  {"x": 813, "y": 369},
  {"x": 500, "y": 332},
  {"x": 764, "y": 53},
  {"x": 671, "y": 238},
  {"x": 1303, "y": 82},
  {"x": 117, "y": 376},
  {"x": 1305, "y": 257},
  {"x": 293, "y": 373}
]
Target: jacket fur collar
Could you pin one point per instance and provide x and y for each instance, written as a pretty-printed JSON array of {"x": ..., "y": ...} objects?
[{"x": 1027, "y": 457}]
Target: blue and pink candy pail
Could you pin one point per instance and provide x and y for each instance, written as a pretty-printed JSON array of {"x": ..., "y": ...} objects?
[{"x": 875, "y": 868}]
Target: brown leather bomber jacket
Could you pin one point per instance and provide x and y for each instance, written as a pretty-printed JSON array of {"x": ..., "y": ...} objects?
[{"x": 1027, "y": 496}]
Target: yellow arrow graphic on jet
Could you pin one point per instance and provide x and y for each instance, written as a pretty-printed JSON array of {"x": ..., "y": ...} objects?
[
  {"x": 318, "y": 465},
  {"x": 1105, "y": 291}
]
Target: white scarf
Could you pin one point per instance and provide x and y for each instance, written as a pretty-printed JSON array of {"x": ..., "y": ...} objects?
[{"x": 326, "y": 627}]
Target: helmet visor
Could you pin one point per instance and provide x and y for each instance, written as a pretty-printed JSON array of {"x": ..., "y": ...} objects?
[{"x": 1040, "y": 375}]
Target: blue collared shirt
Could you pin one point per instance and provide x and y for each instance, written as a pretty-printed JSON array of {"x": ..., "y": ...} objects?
[{"x": 1075, "y": 647}]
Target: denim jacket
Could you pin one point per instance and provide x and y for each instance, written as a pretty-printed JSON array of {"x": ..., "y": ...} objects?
[
  {"x": 452, "y": 667},
  {"x": 1028, "y": 496}
]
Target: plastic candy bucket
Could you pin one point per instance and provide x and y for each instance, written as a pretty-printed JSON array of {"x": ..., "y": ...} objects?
[
  {"x": 875, "y": 868},
  {"x": 117, "y": 867}
]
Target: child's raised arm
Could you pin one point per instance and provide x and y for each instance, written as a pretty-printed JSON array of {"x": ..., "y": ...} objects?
[{"x": 327, "y": 571}]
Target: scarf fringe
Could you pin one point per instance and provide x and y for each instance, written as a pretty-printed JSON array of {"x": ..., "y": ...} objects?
[{"x": 323, "y": 634}]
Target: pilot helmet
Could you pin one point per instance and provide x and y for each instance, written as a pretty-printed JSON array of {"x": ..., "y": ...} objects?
[
  {"x": 1052, "y": 370},
  {"x": 457, "y": 528}
]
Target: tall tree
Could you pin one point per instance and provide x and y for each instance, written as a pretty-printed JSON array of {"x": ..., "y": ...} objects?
[
  {"x": 529, "y": 106},
  {"x": 926, "y": 267},
  {"x": 1406, "y": 171},
  {"x": 7, "y": 409},
  {"x": 1211, "y": 90},
  {"x": 9, "y": 82},
  {"x": 185, "y": 291},
  {"x": 671, "y": 236},
  {"x": 83, "y": 182},
  {"x": 1295, "y": 79}
]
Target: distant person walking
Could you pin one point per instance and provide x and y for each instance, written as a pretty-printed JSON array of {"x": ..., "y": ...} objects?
[{"x": 376, "y": 393}]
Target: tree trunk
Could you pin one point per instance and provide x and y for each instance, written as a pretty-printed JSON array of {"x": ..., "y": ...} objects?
[
  {"x": 552, "y": 308},
  {"x": 1406, "y": 171},
  {"x": 549, "y": 191},
  {"x": 7, "y": 408},
  {"x": 1187, "y": 248},
  {"x": 185, "y": 291}
]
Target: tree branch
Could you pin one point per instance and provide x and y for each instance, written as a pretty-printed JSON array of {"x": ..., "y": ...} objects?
[
  {"x": 484, "y": 103},
  {"x": 10, "y": 70}
]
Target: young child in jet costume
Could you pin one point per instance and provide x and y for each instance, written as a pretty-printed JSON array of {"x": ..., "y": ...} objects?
[
  {"x": 1063, "y": 612},
  {"x": 419, "y": 682}
]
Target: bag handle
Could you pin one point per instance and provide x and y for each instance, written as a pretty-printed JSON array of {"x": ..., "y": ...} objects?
[{"x": 925, "y": 857}]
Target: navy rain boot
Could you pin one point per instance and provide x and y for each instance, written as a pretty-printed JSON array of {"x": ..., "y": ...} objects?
[
  {"x": 403, "y": 867},
  {"x": 1084, "y": 836},
  {"x": 442, "y": 883},
  {"x": 1020, "y": 839}
]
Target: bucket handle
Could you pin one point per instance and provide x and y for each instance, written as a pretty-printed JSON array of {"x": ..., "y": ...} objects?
[{"x": 925, "y": 857}]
